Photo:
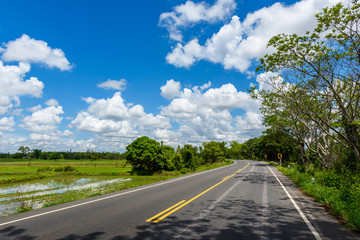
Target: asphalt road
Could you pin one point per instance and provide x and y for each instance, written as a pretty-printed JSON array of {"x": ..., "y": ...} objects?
[{"x": 246, "y": 200}]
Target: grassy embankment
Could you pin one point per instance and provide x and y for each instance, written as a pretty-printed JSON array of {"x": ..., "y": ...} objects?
[
  {"x": 339, "y": 192},
  {"x": 18, "y": 172}
]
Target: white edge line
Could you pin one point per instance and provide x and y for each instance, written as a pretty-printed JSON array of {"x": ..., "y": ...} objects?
[
  {"x": 112, "y": 196},
  {"x": 306, "y": 220}
]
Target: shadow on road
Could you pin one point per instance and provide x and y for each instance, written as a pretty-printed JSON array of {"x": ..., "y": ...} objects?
[{"x": 13, "y": 233}]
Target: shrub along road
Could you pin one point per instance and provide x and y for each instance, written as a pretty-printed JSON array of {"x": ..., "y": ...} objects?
[{"x": 246, "y": 200}]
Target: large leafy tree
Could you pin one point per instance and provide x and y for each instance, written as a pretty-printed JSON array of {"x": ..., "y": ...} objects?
[
  {"x": 143, "y": 154},
  {"x": 316, "y": 94}
]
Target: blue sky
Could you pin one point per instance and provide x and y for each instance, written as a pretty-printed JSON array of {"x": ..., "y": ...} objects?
[{"x": 98, "y": 74}]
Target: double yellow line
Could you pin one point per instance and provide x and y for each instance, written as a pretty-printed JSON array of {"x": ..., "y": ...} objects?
[{"x": 160, "y": 216}]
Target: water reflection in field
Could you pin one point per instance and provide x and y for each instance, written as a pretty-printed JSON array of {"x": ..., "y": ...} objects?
[{"x": 29, "y": 194}]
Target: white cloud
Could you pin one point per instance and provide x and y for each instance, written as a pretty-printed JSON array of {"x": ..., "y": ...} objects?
[
  {"x": 113, "y": 84},
  {"x": 238, "y": 43},
  {"x": 34, "y": 108},
  {"x": 250, "y": 123},
  {"x": 171, "y": 89},
  {"x": 67, "y": 133},
  {"x": 7, "y": 124},
  {"x": 149, "y": 120},
  {"x": 88, "y": 123},
  {"x": 113, "y": 108},
  {"x": 84, "y": 145},
  {"x": 191, "y": 13},
  {"x": 52, "y": 102},
  {"x": 185, "y": 56},
  {"x": 205, "y": 86},
  {"x": 13, "y": 85},
  {"x": 26, "y": 49},
  {"x": 205, "y": 116},
  {"x": 48, "y": 137},
  {"x": 44, "y": 120},
  {"x": 111, "y": 117}
]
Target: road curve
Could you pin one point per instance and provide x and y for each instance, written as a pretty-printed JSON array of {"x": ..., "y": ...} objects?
[{"x": 246, "y": 200}]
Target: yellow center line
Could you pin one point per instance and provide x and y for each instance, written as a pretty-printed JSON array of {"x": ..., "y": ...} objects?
[
  {"x": 183, "y": 203},
  {"x": 157, "y": 215}
]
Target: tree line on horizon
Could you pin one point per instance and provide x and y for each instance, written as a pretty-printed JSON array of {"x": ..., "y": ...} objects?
[{"x": 145, "y": 153}]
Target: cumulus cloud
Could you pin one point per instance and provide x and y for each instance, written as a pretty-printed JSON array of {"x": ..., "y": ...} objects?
[
  {"x": 44, "y": 120},
  {"x": 113, "y": 108},
  {"x": 13, "y": 85},
  {"x": 171, "y": 89},
  {"x": 113, "y": 84},
  {"x": 26, "y": 49},
  {"x": 111, "y": 117},
  {"x": 205, "y": 116},
  {"x": 238, "y": 43},
  {"x": 89, "y": 123},
  {"x": 7, "y": 124},
  {"x": 191, "y": 13}
]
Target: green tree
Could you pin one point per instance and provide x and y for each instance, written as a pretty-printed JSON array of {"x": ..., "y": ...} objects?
[
  {"x": 167, "y": 154},
  {"x": 24, "y": 150},
  {"x": 143, "y": 154},
  {"x": 55, "y": 156},
  {"x": 318, "y": 92},
  {"x": 212, "y": 152},
  {"x": 36, "y": 153},
  {"x": 237, "y": 150},
  {"x": 189, "y": 156}
]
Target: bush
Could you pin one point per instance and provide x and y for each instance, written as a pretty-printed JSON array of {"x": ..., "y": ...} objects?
[
  {"x": 66, "y": 168},
  {"x": 329, "y": 178},
  {"x": 184, "y": 170},
  {"x": 44, "y": 169}
]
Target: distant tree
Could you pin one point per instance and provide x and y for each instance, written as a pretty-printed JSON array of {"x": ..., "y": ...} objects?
[
  {"x": 24, "y": 150},
  {"x": 56, "y": 156},
  {"x": 235, "y": 150},
  {"x": 36, "y": 153},
  {"x": 45, "y": 155}
]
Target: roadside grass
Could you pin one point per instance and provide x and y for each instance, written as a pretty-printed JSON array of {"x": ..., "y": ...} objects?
[
  {"x": 338, "y": 192},
  {"x": 19, "y": 173}
]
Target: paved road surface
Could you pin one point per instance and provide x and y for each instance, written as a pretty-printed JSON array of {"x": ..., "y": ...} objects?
[{"x": 246, "y": 200}]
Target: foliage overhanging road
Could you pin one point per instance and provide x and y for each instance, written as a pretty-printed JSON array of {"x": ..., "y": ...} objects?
[{"x": 241, "y": 201}]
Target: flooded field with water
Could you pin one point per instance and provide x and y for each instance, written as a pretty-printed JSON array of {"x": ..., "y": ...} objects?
[{"x": 33, "y": 195}]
